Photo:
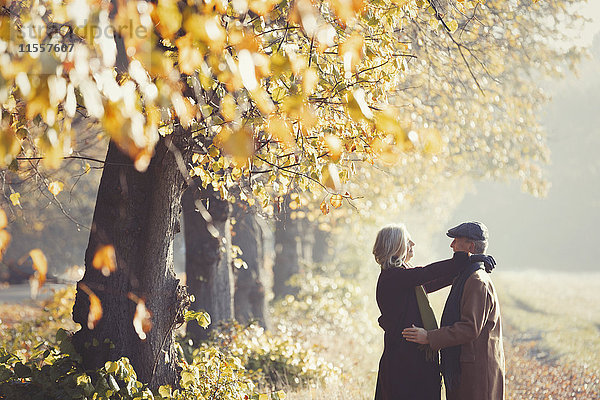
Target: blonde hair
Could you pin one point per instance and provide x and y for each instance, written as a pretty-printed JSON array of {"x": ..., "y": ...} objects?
[{"x": 390, "y": 241}]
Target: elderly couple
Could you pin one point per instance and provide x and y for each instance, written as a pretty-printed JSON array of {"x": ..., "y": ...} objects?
[{"x": 470, "y": 336}]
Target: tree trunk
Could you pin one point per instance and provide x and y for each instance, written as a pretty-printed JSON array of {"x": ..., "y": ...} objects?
[
  {"x": 208, "y": 257},
  {"x": 307, "y": 238},
  {"x": 249, "y": 298},
  {"x": 287, "y": 251},
  {"x": 138, "y": 214},
  {"x": 322, "y": 249}
]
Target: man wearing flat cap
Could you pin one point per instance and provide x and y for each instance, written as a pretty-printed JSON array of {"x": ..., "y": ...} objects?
[{"x": 470, "y": 336}]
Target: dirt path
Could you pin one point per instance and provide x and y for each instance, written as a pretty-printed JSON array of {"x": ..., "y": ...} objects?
[{"x": 533, "y": 374}]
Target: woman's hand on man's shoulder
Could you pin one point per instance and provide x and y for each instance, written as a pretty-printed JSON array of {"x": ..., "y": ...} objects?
[{"x": 487, "y": 260}]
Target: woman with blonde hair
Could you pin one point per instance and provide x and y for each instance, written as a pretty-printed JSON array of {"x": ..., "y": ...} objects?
[{"x": 408, "y": 370}]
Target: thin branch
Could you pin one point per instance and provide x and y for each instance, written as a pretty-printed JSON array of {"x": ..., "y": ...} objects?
[
  {"x": 53, "y": 199},
  {"x": 284, "y": 169},
  {"x": 277, "y": 29},
  {"x": 458, "y": 45},
  {"x": 65, "y": 158},
  {"x": 287, "y": 27}
]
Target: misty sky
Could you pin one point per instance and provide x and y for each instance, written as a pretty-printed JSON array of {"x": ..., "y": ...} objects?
[{"x": 560, "y": 231}]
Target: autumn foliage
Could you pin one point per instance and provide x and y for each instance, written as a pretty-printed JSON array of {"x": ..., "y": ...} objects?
[{"x": 299, "y": 92}]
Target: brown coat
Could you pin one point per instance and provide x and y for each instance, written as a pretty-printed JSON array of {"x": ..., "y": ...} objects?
[{"x": 479, "y": 332}]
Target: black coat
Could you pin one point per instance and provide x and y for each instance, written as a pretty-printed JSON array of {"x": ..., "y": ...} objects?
[{"x": 404, "y": 371}]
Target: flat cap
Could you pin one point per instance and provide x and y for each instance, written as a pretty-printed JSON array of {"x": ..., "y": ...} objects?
[{"x": 470, "y": 230}]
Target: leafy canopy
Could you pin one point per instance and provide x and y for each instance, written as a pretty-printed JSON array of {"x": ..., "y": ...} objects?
[{"x": 294, "y": 91}]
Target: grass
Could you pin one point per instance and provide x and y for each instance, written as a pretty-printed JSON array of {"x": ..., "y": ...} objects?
[
  {"x": 560, "y": 310},
  {"x": 551, "y": 319},
  {"x": 552, "y": 338}
]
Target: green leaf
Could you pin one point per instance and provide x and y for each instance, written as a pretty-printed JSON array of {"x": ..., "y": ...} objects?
[
  {"x": 111, "y": 367},
  {"x": 165, "y": 391},
  {"x": 279, "y": 395},
  {"x": 5, "y": 356},
  {"x": 22, "y": 371},
  {"x": 202, "y": 317},
  {"x": 83, "y": 379},
  {"x": 5, "y": 373},
  {"x": 61, "y": 335},
  {"x": 187, "y": 378},
  {"x": 112, "y": 383}
]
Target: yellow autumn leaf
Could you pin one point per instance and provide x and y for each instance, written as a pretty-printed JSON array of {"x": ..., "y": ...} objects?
[
  {"x": 453, "y": 25},
  {"x": 228, "y": 107},
  {"x": 167, "y": 18},
  {"x": 330, "y": 177},
  {"x": 208, "y": 29},
  {"x": 4, "y": 242},
  {"x": 190, "y": 58},
  {"x": 220, "y": 140},
  {"x": 55, "y": 187},
  {"x": 165, "y": 391},
  {"x": 238, "y": 144},
  {"x": 105, "y": 260},
  {"x": 386, "y": 122},
  {"x": 347, "y": 10},
  {"x": 351, "y": 52},
  {"x": 95, "y": 312},
  {"x": 310, "y": 78},
  {"x": 280, "y": 64},
  {"x": 142, "y": 322},
  {"x": 281, "y": 131},
  {"x": 280, "y": 395},
  {"x": 184, "y": 108},
  {"x": 15, "y": 198},
  {"x": 263, "y": 101},
  {"x": 324, "y": 207},
  {"x": 358, "y": 108},
  {"x": 336, "y": 201},
  {"x": 334, "y": 146},
  {"x": 3, "y": 219},
  {"x": 9, "y": 146},
  {"x": 432, "y": 140},
  {"x": 40, "y": 264},
  {"x": 261, "y": 7}
]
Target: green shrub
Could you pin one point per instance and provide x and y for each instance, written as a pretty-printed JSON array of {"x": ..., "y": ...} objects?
[
  {"x": 56, "y": 373},
  {"x": 328, "y": 304},
  {"x": 53, "y": 374},
  {"x": 38, "y": 325},
  {"x": 337, "y": 311},
  {"x": 271, "y": 360}
]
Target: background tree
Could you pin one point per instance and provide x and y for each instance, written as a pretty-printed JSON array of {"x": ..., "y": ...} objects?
[
  {"x": 208, "y": 259},
  {"x": 288, "y": 248},
  {"x": 250, "y": 280}
]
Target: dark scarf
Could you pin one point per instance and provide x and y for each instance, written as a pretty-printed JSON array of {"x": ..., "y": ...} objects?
[{"x": 451, "y": 355}]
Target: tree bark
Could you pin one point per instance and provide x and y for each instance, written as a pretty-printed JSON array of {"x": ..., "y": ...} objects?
[
  {"x": 307, "y": 239},
  {"x": 138, "y": 214},
  {"x": 249, "y": 297},
  {"x": 322, "y": 250},
  {"x": 288, "y": 248},
  {"x": 208, "y": 258}
]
